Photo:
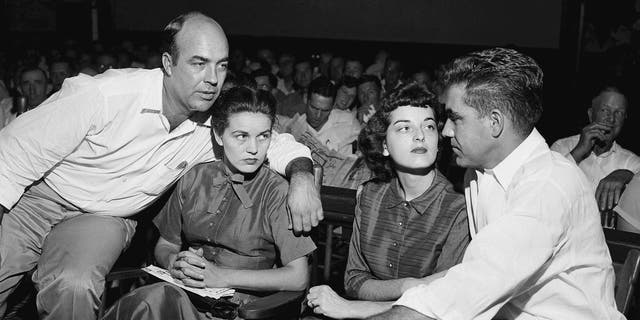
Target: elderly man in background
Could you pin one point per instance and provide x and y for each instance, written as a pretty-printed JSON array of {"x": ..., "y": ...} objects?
[
  {"x": 104, "y": 148},
  {"x": 607, "y": 165}
]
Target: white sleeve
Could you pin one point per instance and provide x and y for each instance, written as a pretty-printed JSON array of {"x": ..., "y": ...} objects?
[
  {"x": 503, "y": 260},
  {"x": 283, "y": 149},
  {"x": 36, "y": 141}
]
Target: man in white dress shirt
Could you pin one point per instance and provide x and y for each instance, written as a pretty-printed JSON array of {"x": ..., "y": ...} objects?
[
  {"x": 102, "y": 149},
  {"x": 608, "y": 166},
  {"x": 537, "y": 249}
]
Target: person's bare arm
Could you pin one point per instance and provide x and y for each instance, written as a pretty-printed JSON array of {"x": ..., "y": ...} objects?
[
  {"x": 327, "y": 302},
  {"x": 590, "y": 134},
  {"x": 610, "y": 188},
  {"x": 303, "y": 199},
  {"x": 293, "y": 276},
  {"x": 181, "y": 265},
  {"x": 400, "y": 313}
]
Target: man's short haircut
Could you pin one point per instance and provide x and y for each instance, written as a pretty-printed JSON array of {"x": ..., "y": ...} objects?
[
  {"x": 370, "y": 78},
  {"x": 273, "y": 81},
  {"x": 30, "y": 68},
  {"x": 502, "y": 79},
  {"x": 349, "y": 82},
  {"x": 170, "y": 32},
  {"x": 322, "y": 86}
]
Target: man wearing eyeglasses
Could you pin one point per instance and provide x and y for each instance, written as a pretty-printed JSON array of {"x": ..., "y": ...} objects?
[{"x": 606, "y": 164}]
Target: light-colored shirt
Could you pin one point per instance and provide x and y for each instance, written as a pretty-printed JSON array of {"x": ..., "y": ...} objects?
[
  {"x": 6, "y": 116},
  {"x": 103, "y": 144},
  {"x": 537, "y": 248},
  {"x": 597, "y": 167},
  {"x": 337, "y": 134}
]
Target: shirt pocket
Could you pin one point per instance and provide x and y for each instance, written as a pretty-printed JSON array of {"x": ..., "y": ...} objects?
[{"x": 165, "y": 175}]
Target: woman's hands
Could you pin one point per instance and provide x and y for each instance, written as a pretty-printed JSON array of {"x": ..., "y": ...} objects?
[{"x": 195, "y": 271}]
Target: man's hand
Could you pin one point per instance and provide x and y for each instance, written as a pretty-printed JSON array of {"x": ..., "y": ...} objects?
[
  {"x": 590, "y": 134},
  {"x": 610, "y": 188},
  {"x": 327, "y": 302},
  {"x": 187, "y": 264},
  {"x": 304, "y": 202}
]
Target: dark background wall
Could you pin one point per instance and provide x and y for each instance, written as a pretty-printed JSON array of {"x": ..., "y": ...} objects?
[{"x": 487, "y": 22}]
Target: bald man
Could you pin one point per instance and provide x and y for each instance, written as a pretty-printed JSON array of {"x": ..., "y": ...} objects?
[{"x": 100, "y": 150}]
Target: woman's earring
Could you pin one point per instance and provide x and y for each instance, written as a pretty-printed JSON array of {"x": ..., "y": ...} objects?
[{"x": 385, "y": 152}]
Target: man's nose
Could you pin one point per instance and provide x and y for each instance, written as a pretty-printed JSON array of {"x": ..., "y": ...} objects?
[
  {"x": 447, "y": 131},
  {"x": 211, "y": 76}
]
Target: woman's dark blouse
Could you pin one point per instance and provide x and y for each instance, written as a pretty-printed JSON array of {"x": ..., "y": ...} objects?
[
  {"x": 393, "y": 238},
  {"x": 205, "y": 212}
]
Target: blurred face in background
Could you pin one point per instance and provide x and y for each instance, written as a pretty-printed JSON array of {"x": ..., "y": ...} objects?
[
  {"x": 262, "y": 83},
  {"x": 33, "y": 85},
  {"x": 368, "y": 94},
  {"x": 353, "y": 68},
  {"x": 59, "y": 71},
  {"x": 345, "y": 97},
  {"x": 303, "y": 74},
  {"x": 318, "y": 110}
]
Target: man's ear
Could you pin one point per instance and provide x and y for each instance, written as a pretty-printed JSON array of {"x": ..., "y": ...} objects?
[
  {"x": 167, "y": 63},
  {"x": 217, "y": 137},
  {"x": 496, "y": 122},
  {"x": 590, "y": 114}
]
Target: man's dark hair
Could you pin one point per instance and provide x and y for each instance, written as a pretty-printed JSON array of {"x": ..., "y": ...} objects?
[
  {"x": 502, "y": 79},
  {"x": 29, "y": 68},
  {"x": 171, "y": 30},
  {"x": 370, "y": 78},
  {"x": 273, "y": 81},
  {"x": 349, "y": 82},
  {"x": 322, "y": 86}
]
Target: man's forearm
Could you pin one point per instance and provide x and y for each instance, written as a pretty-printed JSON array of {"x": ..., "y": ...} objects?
[
  {"x": 400, "y": 313},
  {"x": 300, "y": 164}
]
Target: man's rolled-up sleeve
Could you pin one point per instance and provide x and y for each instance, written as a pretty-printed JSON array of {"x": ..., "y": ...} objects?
[
  {"x": 283, "y": 149},
  {"x": 36, "y": 141}
]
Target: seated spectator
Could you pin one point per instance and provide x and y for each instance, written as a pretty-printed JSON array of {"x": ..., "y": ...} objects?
[
  {"x": 345, "y": 100},
  {"x": 330, "y": 135},
  {"x": 628, "y": 207},
  {"x": 377, "y": 67},
  {"x": 353, "y": 68},
  {"x": 607, "y": 165},
  {"x": 285, "y": 73},
  {"x": 267, "y": 55},
  {"x": 319, "y": 127},
  {"x": 369, "y": 94},
  {"x": 59, "y": 70},
  {"x": 33, "y": 86},
  {"x": 265, "y": 80},
  {"x": 336, "y": 69},
  {"x": 106, "y": 61},
  {"x": 294, "y": 103},
  {"x": 409, "y": 222},
  {"x": 391, "y": 76},
  {"x": 232, "y": 217}
]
